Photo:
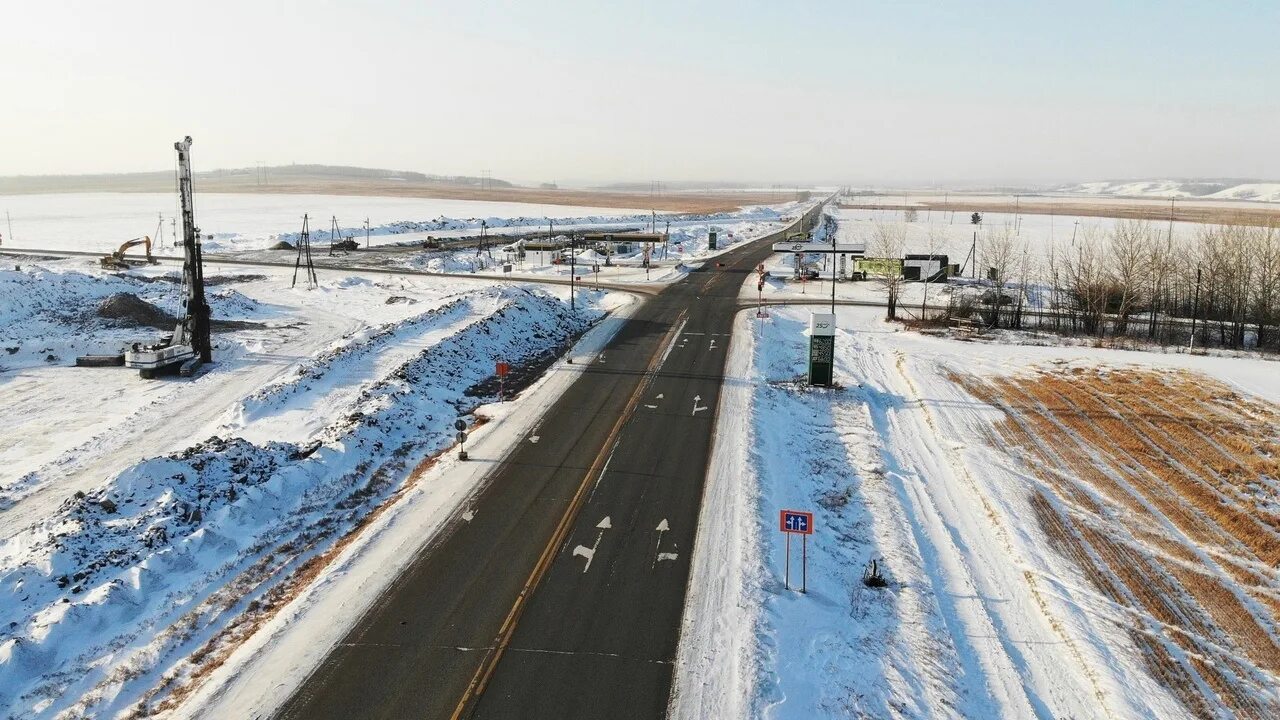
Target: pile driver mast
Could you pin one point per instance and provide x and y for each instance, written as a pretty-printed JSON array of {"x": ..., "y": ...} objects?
[
  {"x": 193, "y": 325},
  {"x": 190, "y": 345}
]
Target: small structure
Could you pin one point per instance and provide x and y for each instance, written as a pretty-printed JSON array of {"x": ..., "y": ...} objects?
[
  {"x": 928, "y": 268},
  {"x": 628, "y": 238}
]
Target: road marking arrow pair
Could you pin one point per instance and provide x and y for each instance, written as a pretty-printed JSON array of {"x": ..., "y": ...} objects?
[{"x": 606, "y": 524}]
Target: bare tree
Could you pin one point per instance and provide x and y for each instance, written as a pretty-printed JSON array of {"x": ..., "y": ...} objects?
[
  {"x": 887, "y": 242},
  {"x": 999, "y": 253},
  {"x": 1128, "y": 264},
  {"x": 1265, "y": 296},
  {"x": 1086, "y": 282},
  {"x": 934, "y": 242}
]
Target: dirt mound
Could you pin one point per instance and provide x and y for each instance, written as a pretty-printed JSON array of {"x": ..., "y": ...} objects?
[
  {"x": 131, "y": 310},
  {"x": 282, "y": 245}
]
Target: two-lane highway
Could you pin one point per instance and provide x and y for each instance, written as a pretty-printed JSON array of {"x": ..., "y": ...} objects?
[{"x": 562, "y": 595}]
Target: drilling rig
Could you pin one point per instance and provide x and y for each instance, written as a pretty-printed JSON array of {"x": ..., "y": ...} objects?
[{"x": 189, "y": 346}]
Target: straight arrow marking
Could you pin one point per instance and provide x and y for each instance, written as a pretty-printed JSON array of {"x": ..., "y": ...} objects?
[
  {"x": 659, "y": 556},
  {"x": 590, "y": 552}
]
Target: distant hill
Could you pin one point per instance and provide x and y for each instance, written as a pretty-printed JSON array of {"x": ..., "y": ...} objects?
[
  {"x": 237, "y": 180},
  {"x": 1203, "y": 188}
]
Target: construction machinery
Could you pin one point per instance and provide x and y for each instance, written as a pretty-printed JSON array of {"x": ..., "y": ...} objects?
[
  {"x": 339, "y": 245},
  {"x": 189, "y": 346},
  {"x": 118, "y": 261}
]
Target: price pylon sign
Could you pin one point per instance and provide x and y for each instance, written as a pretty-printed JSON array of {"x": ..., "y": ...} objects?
[
  {"x": 822, "y": 348},
  {"x": 796, "y": 522}
]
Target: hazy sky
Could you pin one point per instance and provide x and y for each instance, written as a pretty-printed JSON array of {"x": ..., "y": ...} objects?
[{"x": 845, "y": 91}]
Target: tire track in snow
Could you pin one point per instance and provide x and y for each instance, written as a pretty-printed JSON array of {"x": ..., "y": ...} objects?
[{"x": 952, "y": 453}]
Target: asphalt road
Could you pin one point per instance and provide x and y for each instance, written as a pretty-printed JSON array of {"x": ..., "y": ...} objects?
[{"x": 562, "y": 596}]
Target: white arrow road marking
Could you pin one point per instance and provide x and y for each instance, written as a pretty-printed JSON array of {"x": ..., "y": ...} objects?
[
  {"x": 697, "y": 409},
  {"x": 534, "y": 437},
  {"x": 590, "y": 552},
  {"x": 713, "y": 344},
  {"x": 601, "y": 357},
  {"x": 659, "y": 397},
  {"x": 660, "y": 556}
]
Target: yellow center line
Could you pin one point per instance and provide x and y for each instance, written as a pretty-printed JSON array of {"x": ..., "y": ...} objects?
[{"x": 485, "y": 672}]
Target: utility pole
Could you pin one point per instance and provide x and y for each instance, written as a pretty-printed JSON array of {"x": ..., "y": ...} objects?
[
  {"x": 366, "y": 233},
  {"x": 10, "y": 221},
  {"x": 833, "y": 277},
  {"x": 1195, "y": 312},
  {"x": 304, "y": 254}
]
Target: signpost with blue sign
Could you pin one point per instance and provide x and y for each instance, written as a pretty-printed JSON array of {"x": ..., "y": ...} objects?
[{"x": 797, "y": 522}]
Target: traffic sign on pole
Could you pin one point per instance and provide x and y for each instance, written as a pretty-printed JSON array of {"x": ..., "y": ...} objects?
[
  {"x": 501, "y": 370},
  {"x": 797, "y": 522},
  {"x": 461, "y": 425}
]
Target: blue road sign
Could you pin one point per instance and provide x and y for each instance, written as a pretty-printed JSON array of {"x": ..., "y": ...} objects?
[{"x": 796, "y": 521}]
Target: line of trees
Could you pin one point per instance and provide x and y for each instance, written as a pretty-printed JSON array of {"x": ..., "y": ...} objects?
[{"x": 1219, "y": 286}]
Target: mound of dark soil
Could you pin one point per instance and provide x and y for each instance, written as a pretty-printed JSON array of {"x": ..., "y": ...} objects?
[
  {"x": 282, "y": 245},
  {"x": 132, "y": 311}
]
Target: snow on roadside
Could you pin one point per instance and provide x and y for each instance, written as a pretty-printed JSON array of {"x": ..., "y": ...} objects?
[
  {"x": 981, "y": 617},
  {"x": 113, "y": 591}
]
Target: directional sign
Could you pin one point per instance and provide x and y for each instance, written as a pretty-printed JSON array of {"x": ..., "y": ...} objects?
[
  {"x": 795, "y": 521},
  {"x": 812, "y": 247}
]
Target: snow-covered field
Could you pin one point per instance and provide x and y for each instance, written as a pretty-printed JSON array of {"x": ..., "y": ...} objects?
[
  {"x": 102, "y": 221},
  {"x": 1030, "y": 575},
  {"x": 147, "y": 528},
  {"x": 1209, "y": 190}
]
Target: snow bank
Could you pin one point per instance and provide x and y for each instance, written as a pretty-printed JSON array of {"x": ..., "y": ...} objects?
[{"x": 169, "y": 558}]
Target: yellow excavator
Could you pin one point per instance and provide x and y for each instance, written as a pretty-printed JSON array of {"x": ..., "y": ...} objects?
[{"x": 117, "y": 260}]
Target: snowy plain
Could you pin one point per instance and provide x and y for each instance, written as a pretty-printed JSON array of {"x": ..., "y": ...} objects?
[
  {"x": 982, "y": 617},
  {"x": 102, "y": 221}
]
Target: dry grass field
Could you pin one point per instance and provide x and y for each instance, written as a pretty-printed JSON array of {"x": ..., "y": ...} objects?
[
  {"x": 1164, "y": 489},
  {"x": 330, "y": 184}
]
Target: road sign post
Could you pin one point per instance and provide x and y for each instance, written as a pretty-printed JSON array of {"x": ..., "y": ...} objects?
[
  {"x": 711, "y": 239},
  {"x": 796, "y": 522},
  {"x": 461, "y": 425},
  {"x": 501, "y": 371}
]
